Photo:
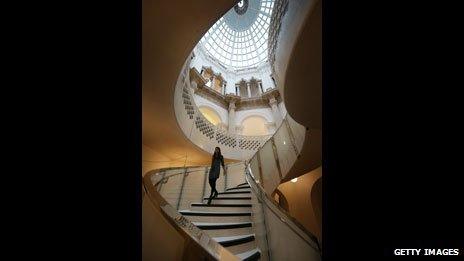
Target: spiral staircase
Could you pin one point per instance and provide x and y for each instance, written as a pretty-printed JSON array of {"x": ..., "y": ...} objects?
[{"x": 244, "y": 222}]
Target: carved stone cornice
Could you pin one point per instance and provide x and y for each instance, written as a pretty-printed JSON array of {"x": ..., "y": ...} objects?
[
  {"x": 241, "y": 103},
  {"x": 212, "y": 96},
  {"x": 209, "y": 70},
  {"x": 271, "y": 93},
  {"x": 196, "y": 77},
  {"x": 252, "y": 103},
  {"x": 232, "y": 98}
]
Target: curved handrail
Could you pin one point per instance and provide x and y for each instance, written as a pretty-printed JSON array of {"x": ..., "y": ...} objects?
[
  {"x": 265, "y": 197},
  {"x": 270, "y": 203},
  {"x": 295, "y": 146},
  {"x": 210, "y": 248},
  {"x": 158, "y": 171}
]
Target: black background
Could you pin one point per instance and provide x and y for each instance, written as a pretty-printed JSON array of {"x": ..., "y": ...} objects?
[
  {"x": 392, "y": 127},
  {"x": 391, "y": 111}
]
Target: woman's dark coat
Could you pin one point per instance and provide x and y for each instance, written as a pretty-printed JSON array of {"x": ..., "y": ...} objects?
[{"x": 216, "y": 167}]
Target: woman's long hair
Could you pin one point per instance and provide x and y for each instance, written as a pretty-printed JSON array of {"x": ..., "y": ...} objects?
[{"x": 217, "y": 154}]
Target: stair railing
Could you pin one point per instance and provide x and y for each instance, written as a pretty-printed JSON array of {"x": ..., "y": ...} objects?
[
  {"x": 199, "y": 243},
  {"x": 281, "y": 213}
]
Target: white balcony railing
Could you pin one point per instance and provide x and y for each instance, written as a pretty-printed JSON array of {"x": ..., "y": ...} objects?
[{"x": 203, "y": 133}]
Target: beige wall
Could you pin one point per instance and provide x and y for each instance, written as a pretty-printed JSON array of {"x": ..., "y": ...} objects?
[
  {"x": 254, "y": 126},
  {"x": 152, "y": 159},
  {"x": 298, "y": 195},
  {"x": 160, "y": 240}
]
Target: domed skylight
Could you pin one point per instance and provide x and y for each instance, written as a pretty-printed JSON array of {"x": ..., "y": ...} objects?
[{"x": 238, "y": 40}]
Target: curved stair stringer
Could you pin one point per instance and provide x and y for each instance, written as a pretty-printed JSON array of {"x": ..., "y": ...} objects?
[{"x": 238, "y": 222}]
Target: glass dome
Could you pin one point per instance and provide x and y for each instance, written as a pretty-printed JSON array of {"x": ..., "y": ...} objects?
[{"x": 238, "y": 40}]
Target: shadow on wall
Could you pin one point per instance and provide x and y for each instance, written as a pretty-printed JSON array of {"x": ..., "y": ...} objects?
[
  {"x": 304, "y": 199},
  {"x": 316, "y": 201},
  {"x": 278, "y": 196}
]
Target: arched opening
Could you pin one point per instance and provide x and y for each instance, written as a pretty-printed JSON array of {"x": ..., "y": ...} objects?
[
  {"x": 254, "y": 126},
  {"x": 210, "y": 114}
]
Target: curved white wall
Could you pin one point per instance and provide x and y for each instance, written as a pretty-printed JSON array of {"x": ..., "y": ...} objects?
[
  {"x": 255, "y": 126},
  {"x": 263, "y": 112},
  {"x": 282, "y": 108}
]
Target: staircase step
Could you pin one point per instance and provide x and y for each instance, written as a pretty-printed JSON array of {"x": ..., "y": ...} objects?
[
  {"x": 236, "y": 205},
  {"x": 230, "y": 231},
  {"x": 234, "y": 240},
  {"x": 210, "y": 213},
  {"x": 234, "y": 192},
  {"x": 242, "y": 184},
  {"x": 240, "y": 248},
  {"x": 208, "y": 226},
  {"x": 251, "y": 255},
  {"x": 242, "y": 187},
  {"x": 229, "y": 198},
  {"x": 220, "y": 219}
]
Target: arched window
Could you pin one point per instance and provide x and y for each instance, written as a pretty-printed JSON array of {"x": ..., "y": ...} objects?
[{"x": 210, "y": 114}]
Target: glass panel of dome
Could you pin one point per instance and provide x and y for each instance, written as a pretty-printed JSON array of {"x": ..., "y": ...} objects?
[{"x": 240, "y": 35}]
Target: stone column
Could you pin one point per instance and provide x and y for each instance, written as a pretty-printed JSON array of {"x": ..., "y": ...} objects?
[
  {"x": 275, "y": 111},
  {"x": 248, "y": 89},
  {"x": 232, "y": 117},
  {"x": 212, "y": 82}
]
